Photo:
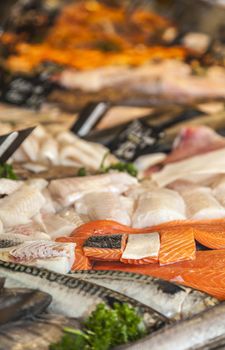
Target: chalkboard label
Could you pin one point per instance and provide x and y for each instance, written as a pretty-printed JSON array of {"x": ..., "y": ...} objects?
[
  {"x": 28, "y": 91},
  {"x": 136, "y": 139}
]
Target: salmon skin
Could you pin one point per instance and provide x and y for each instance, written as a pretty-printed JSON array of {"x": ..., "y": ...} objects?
[{"x": 108, "y": 248}]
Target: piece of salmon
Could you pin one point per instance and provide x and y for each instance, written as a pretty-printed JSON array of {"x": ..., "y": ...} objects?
[
  {"x": 108, "y": 247},
  {"x": 211, "y": 237},
  {"x": 142, "y": 249},
  {"x": 206, "y": 273},
  {"x": 177, "y": 245},
  {"x": 81, "y": 261}
]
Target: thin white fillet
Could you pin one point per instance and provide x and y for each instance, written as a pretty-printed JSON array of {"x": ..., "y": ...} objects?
[
  {"x": 55, "y": 226},
  {"x": 70, "y": 215},
  {"x": 201, "y": 204},
  {"x": 156, "y": 207},
  {"x": 68, "y": 190},
  {"x": 19, "y": 207},
  {"x": 103, "y": 206},
  {"x": 142, "y": 246},
  {"x": 9, "y": 186},
  {"x": 48, "y": 207},
  {"x": 211, "y": 163},
  {"x": 49, "y": 151}
]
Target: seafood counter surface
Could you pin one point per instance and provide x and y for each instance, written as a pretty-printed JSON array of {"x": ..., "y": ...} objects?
[{"x": 115, "y": 221}]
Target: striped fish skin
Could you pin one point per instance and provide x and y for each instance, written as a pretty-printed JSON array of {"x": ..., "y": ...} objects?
[
  {"x": 74, "y": 297},
  {"x": 198, "y": 332},
  {"x": 173, "y": 301}
]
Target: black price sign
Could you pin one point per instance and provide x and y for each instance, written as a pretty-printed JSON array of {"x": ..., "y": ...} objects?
[
  {"x": 136, "y": 139},
  {"x": 28, "y": 91}
]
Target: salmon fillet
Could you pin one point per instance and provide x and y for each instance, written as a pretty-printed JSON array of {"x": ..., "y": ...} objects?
[
  {"x": 206, "y": 273},
  {"x": 177, "y": 245},
  {"x": 108, "y": 247},
  {"x": 212, "y": 237}
]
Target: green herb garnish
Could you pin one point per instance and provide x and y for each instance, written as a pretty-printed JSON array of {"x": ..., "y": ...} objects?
[
  {"x": 104, "y": 329},
  {"x": 6, "y": 171},
  {"x": 82, "y": 172},
  {"x": 129, "y": 168}
]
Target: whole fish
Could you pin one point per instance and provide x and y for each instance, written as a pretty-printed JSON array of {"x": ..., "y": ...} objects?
[
  {"x": 198, "y": 332},
  {"x": 72, "y": 296},
  {"x": 173, "y": 301},
  {"x": 19, "y": 303},
  {"x": 35, "y": 334}
]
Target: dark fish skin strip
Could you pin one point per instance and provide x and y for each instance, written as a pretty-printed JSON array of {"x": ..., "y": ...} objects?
[
  {"x": 84, "y": 289},
  {"x": 198, "y": 332},
  {"x": 19, "y": 303}
]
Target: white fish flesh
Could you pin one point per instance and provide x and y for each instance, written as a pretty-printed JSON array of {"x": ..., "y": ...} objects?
[
  {"x": 142, "y": 246},
  {"x": 35, "y": 167},
  {"x": 58, "y": 257},
  {"x": 156, "y": 207},
  {"x": 211, "y": 163},
  {"x": 71, "y": 216},
  {"x": 21, "y": 206},
  {"x": 39, "y": 184},
  {"x": 218, "y": 188},
  {"x": 31, "y": 231},
  {"x": 201, "y": 204},
  {"x": 9, "y": 186},
  {"x": 48, "y": 207},
  {"x": 67, "y": 191},
  {"x": 55, "y": 226},
  {"x": 103, "y": 206},
  {"x": 49, "y": 151}
]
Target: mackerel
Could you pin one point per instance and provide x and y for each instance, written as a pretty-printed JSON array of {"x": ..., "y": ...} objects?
[
  {"x": 72, "y": 296},
  {"x": 173, "y": 301},
  {"x": 202, "y": 331}
]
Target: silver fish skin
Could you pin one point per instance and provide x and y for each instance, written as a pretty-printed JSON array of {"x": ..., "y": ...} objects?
[
  {"x": 35, "y": 334},
  {"x": 173, "y": 301},
  {"x": 198, "y": 332},
  {"x": 72, "y": 296},
  {"x": 19, "y": 303}
]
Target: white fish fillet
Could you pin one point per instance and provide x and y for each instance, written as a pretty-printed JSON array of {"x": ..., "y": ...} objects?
[
  {"x": 211, "y": 163},
  {"x": 19, "y": 207},
  {"x": 32, "y": 231},
  {"x": 9, "y": 186},
  {"x": 219, "y": 190},
  {"x": 49, "y": 151},
  {"x": 55, "y": 256},
  {"x": 156, "y": 207},
  {"x": 35, "y": 167},
  {"x": 67, "y": 191},
  {"x": 103, "y": 206},
  {"x": 142, "y": 246},
  {"x": 48, "y": 207},
  {"x": 39, "y": 184},
  {"x": 56, "y": 226},
  {"x": 70, "y": 215},
  {"x": 201, "y": 204},
  {"x": 31, "y": 148}
]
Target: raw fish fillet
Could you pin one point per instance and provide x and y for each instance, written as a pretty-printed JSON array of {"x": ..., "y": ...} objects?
[
  {"x": 48, "y": 207},
  {"x": 81, "y": 261},
  {"x": 55, "y": 226},
  {"x": 193, "y": 140},
  {"x": 103, "y": 206},
  {"x": 49, "y": 151},
  {"x": 211, "y": 163},
  {"x": 67, "y": 191},
  {"x": 211, "y": 237},
  {"x": 9, "y": 186},
  {"x": 70, "y": 215},
  {"x": 201, "y": 204},
  {"x": 31, "y": 231},
  {"x": 19, "y": 207},
  {"x": 158, "y": 206},
  {"x": 142, "y": 249},
  {"x": 219, "y": 190},
  {"x": 206, "y": 273},
  {"x": 177, "y": 245},
  {"x": 108, "y": 247},
  {"x": 58, "y": 257}
]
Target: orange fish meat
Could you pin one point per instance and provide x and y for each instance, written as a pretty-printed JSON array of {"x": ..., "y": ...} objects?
[
  {"x": 211, "y": 237},
  {"x": 177, "y": 245},
  {"x": 108, "y": 247}
]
